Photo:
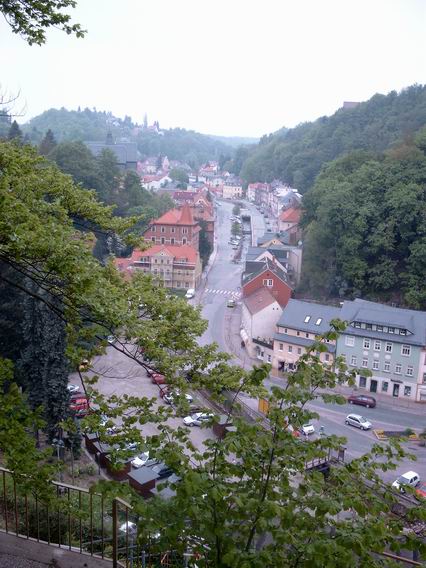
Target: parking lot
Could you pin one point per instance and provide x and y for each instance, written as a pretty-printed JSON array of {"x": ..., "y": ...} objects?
[{"x": 120, "y": 375}]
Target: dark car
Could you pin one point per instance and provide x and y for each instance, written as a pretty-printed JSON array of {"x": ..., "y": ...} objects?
[{"x": 362, "y": 400}]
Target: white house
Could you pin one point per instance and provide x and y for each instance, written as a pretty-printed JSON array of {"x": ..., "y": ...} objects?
[{"x": 260, "y": 313}]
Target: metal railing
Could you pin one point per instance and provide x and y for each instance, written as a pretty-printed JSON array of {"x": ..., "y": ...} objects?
[{"x": 80, "y": 521}]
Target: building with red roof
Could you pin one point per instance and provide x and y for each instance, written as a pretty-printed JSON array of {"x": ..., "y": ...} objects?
[
  {"x": 289, "y": 218},
  {"x": 176, "y": 227},
  {"x": 172, "y": 266}
]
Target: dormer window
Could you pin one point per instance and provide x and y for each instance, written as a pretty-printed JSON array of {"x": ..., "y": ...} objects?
[{"x": 307, "y": 318}]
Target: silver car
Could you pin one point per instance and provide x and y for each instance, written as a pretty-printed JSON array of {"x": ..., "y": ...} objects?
[{"x": 358, "y": 421}]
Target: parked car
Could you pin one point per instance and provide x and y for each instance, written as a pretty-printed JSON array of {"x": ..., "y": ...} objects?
[
  {"x": 231, "y": 304},
  {"x": 158, "y": 379},
  {"x": 362, "y": 400},
  {"x": 358, "y": 421},
  {"x": 421, "y": 490},
  {"x": 79, "y": 404},
  {"x": 409, "y": 478},
  {"x": 72, "y": 389},
  {"x": 140, "y": 460},
  {"x": 307, "y": 429},
  {"x": 170, "y": 397},
  {"x": 197, "y": 419},
  {"x": 190, "y": 293}
]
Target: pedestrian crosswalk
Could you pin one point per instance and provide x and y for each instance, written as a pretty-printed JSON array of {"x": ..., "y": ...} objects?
[{"x": 233, "y": 293}]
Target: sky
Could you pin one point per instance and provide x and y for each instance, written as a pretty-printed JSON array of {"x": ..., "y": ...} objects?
[{"x": 226, "y": 67}]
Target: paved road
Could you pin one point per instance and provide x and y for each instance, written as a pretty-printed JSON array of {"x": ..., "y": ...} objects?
[{"x": 223, "y": 279}]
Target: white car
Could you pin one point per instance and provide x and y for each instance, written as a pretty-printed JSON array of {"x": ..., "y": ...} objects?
[
  {"x": 170, "y": 397},
  {"x": 72, "y": 389},
  {"x": 358, "y": 421},
  {"x": 197, "y": 419},
  {"x": 410, "y": 478},
  {"x": 140, "y": 460},
  {"x": 190, "y": 293},
  {"x": 307, "y": 429}
]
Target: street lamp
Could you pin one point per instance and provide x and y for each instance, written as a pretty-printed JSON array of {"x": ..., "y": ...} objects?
[{"x": 59, "y": 445}]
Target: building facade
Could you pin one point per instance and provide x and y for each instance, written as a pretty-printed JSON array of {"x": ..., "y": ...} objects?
[
  {"x": 389, "y": 342},
  {"x": 171, "y": 266},
  {"x": 176, "y": 227},
  {"x": 266, "y": 274}
]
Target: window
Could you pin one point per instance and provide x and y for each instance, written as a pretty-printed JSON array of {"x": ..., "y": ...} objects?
[
  {"x": 379, "y": 328},
  {"x": 299, "y": 350},
  {"x": 388, "y": 348},
  {"x": 184, "y": 231},
  {"x": 391, "y": 330},
  {"x": 153, "y": 228},
  {"x": 368, "y": 326},
  {"x": 162, "y": 242},
  {"x": 353, "y": 360},
  {"x": 285, "y": 330},
  {"x": 269, "y": 358},
  {"x": 184, "y": 241},
  {"x": 173, "y": 229},
  {"x": 268, "y": 282},
  {"x": 402, "y": 332},
  {"x": 365, "y": 363},
  {"x": 362, "y": 382},
  {"x": 424, "y": 378},
  {"x": 410, "y": 370},
  {"x": 407, "y": 391},
  {"x": 307, "y": 335},
  {"x": 327, "y": 357},
  {"x": 318, "y": 322},
  {"x": 290, "y": 349},
  {"x": 386, "y": 367},
  {"x": 385, "y": 385},
  {"x": 298, "y": 333},
  {"x": 398, "y": 369},
  {"x": 153, "y": 239},
  {"x": 307, "y": 318},
  {"x": 163, "y": 229},
  {"x": 375, "y": 365},
  {"x": 406, "y": 350},
  {"x": 172, "y": 241},
  {"x": 349, "y": 340},
  {"x": 366, "y": 343},
  {"x": 280, "y": 346},
  {"x": 377, "y": 345},
  {"x": 357, "y": 324}
]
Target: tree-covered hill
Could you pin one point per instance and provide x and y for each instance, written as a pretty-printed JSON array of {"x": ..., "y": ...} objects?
[
  {"x": 297, "y": 155},
  {"x": 84, "y": 125},
  {"x": 365, "y": 226}
]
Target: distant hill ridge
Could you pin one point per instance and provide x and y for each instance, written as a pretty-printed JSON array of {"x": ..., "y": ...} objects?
[
  {"x": 297, "y": 155},
  {"x": 93, "y": 125}
]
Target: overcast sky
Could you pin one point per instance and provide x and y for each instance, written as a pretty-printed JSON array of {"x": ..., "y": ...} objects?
[{"x": 230, "y": 67}]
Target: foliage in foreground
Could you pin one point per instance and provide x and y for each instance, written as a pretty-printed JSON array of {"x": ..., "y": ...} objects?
[{"x": 246, "y": 500}]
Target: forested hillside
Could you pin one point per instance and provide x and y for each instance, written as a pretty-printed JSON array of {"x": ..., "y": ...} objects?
[
  {"x": 365, "y": 226},
  {"x": 84, "y": 125},
  {"x": 297, "y": 155}
]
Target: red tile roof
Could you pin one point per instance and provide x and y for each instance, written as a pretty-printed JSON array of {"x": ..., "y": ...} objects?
[
  {"x": 176, "y": 217},
  {"x": 291, "y": 215},
  {"x": 259, "y": 300}
]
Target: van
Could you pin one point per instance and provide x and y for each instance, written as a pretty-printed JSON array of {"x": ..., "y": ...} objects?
[{"x": 190, "y": 293}]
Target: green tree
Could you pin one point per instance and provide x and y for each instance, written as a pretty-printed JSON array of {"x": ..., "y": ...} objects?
[
  {"x": 179, "y": 175},
  {"x": 31, "y": 18},
  {"x": 15, "y": 133},
  {"x": 205, "y": 247},
  {"x": 47, "y": 144}
]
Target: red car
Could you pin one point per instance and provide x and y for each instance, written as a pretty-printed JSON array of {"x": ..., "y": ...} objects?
[
  {"x": 421, "y": 490},
  {"x": 79, "y": 403},
  {"x": 158, "y": 379},
  {"x": 362, "y": 400}
]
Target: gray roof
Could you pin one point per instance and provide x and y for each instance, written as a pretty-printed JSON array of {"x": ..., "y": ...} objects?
[
  {"x": 125, "y": 152},
  {"x": 259, "y": 267},
  {"x": 282, "y": 237},
  {"x": 302, "y": 341},
  {"x": 143, "y": 475},
  {"x": 296, "y": 311},
  {"x": 253, "y": 253},
  {"x": 380, "y": 314}
]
